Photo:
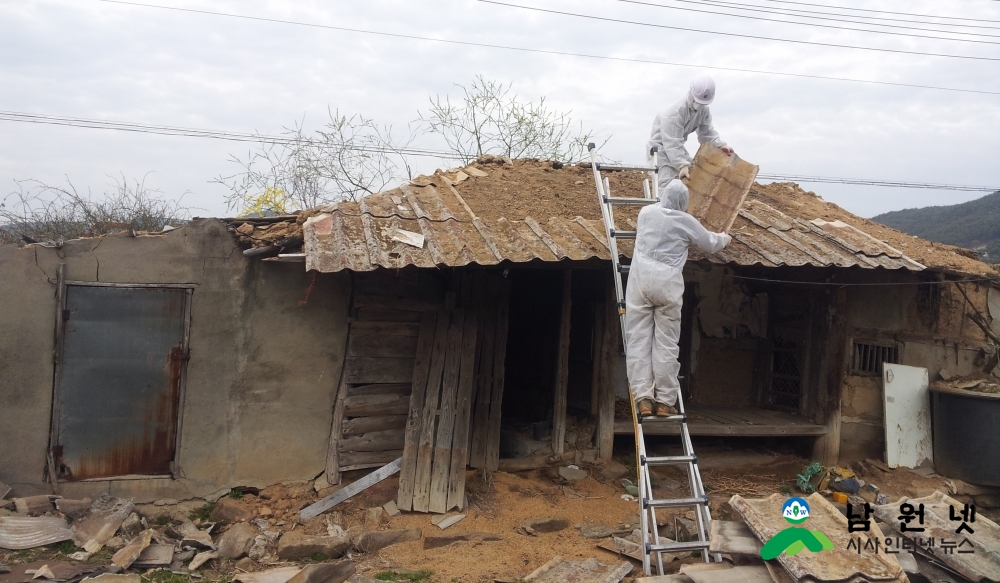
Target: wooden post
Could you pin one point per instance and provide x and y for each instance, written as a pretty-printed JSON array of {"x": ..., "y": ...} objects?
[
  {"x": 609, "y": 366},
  {"x": 826, "y": 449},
  {"x": 596, "y": 357},
  {"x": 562, "y": 366}
]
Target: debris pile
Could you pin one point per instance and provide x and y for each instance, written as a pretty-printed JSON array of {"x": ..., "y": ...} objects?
[{"x": 979, "y": 382}]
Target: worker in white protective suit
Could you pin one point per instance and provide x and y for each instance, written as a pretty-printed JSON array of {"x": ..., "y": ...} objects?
[
  {"x": 655, "y": 295},
  {"x": 672, "y": 127}
]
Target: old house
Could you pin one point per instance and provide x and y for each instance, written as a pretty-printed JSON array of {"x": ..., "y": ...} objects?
[{"x": 255, "y": 351}]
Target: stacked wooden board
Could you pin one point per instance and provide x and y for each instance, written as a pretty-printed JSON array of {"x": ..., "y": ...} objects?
[
  {"x": 436, "y": 450},
  {"x": 373, "y": 396},
  {"x": 488, "y": 296}
]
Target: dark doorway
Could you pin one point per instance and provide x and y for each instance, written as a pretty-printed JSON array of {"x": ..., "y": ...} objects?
[{"x": 119, "y": 381}]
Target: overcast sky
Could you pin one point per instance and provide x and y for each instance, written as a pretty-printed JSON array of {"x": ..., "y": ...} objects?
[{"x": 100, "y": 60}]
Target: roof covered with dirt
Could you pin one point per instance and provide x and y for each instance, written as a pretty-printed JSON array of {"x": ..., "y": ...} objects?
[{"x": 497, "y": 210}]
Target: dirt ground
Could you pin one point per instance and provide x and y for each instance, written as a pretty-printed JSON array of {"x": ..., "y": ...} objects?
[{"x": 748, "y": 468}]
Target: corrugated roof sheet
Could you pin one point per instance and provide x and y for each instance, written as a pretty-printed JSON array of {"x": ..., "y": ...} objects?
[{"x": 360, "y": 236}]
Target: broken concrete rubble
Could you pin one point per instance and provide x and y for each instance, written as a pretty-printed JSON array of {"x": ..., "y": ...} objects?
[
  {"x": 235, "y": 542},
  {"x": 371, "y": 542},
  {"x": 34, "y": 505},
  {"x": 297, "y": 545},
  {"x": 130, "y": 552},
  {"x": 98, "y": 524}
]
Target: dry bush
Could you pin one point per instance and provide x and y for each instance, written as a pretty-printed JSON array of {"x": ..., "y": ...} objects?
[{"x": 38, "y": 212}]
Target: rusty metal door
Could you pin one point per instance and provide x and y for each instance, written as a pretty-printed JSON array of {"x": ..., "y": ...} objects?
[{"x": 118, "y": 381}]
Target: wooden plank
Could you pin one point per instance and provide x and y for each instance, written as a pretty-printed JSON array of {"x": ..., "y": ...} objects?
[
  {"x": 421, "y": 370},
  {"x": 373, "y": 441},
  {"x": 360, "y": 425},
  {"x": 609, "y": 365},
  {"x": 379, "y": 370},
  {"x": 463, "y": 407},
  {"x": 314, "y": 510},
  {"x": 441, "y": 462},
  {"x": 333, "y": 453},
  {"x": 388, "y": 315},
  {"x": 499, "y": 358},
  {"x": 386, "y": 328},
  {"x": 368, "y": 405},
  {"x": 380, "y": 389},
  {"x": 718, "y": 429},
  {"x": 425, "y": 443},
  {"x": 354, "y": 459},
  {"x": 562, "y": 366},
  {"x": 394, "y": 302},
  {"x": 486, "y": 300},
  {"x": 381, "y": 346}
]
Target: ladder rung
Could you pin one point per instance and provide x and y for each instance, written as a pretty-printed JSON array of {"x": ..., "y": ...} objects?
[
  {"x": 629, "y": 201},
  {"x": 617, "y": 167},
  {"x": 622, "y": 268},
  {"x": 675, "y": 503},
  {"x": 670, "y": 460},
  {"x": 695, "y": 545},
  {"x": 622, "y": 234},
  {"x": 672, "y": 418}
]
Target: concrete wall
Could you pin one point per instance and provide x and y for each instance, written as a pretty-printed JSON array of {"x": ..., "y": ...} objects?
[
  {"x": 930, "y": 326},
  {"x": 264, "y": 363}
]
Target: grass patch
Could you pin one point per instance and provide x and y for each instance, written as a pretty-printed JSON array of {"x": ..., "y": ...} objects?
[
  {"x": 236, "y": 494},
  {"x": 162, "y": 520},
  {"x": 394, "y": 576},
  {"x": 164, "y": 576},
  {"x": 66, "y": 547},
  {"x": 202, "y": 513},
  {"x": 786, "y": 490}
]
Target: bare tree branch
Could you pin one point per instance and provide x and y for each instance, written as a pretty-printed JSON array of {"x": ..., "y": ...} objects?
[
  {"x": 490, "y": 120},
  {"x": 349, "y": 157}
]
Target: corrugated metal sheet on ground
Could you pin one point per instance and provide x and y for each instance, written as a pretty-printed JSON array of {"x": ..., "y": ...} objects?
[{"x": 360, "y": 236}]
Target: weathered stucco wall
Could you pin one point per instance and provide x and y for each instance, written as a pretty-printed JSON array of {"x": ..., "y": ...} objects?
[
  {"x": 930, "y": 326},
  {"x": 267, "y": 344}
]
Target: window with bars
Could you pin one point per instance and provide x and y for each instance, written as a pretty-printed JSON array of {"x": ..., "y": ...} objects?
[{"x": 867, "y": 357}]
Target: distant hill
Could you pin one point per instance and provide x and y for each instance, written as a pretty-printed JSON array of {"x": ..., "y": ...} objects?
[{"x": 974, "y": 224}]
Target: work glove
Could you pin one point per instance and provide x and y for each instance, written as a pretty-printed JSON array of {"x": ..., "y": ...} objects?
[
  {"x": 727, "y": 238},
  {"x": 685, "y": 173},
  {"x": 727, "y": 150}
]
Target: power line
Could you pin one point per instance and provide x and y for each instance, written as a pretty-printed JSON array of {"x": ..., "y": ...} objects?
[
  {"x": 881, "y": 11},
  {"x": 808, "y": 14},
  {"x": 825, "y": 18},
  {"x": 164, "y": 130},
  {"x": 203, "y": 133},
  {"x": 735, "y": 34},
  {"x": 550, "y": 52},
  {"x": 870, "y": 182}
]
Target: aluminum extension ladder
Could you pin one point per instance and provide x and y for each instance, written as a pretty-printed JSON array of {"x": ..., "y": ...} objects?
[{"x": 648, "y": 504}]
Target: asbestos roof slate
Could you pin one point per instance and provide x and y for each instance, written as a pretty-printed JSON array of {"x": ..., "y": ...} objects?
[{"x": 360, "y": 235}]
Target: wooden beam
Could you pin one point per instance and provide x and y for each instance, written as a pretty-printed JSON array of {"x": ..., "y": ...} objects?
[
  {"x": 486, "y": 298},
  {"x": 609, "y": 366},
  {"x": 562, "y": 366},
  {"x": 834, "y": 363},
  {"x": 499, "y": 360},
  {"x": 368, "y": 405},
  {"x": 346, "y": 492},
  {"x": 379, "y": 370},
  {"x": 361, "y": 425},
  {"x": 597, "y": 338},
  {"x": 333, "y": 453}
]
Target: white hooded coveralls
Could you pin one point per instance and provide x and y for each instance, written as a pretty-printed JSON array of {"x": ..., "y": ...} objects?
[
  {"x": 671, "y": 129},
  {"x": 655, "y": 292}
]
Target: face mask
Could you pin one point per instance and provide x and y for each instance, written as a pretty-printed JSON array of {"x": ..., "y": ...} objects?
[{"x": 696, "y": 106}]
